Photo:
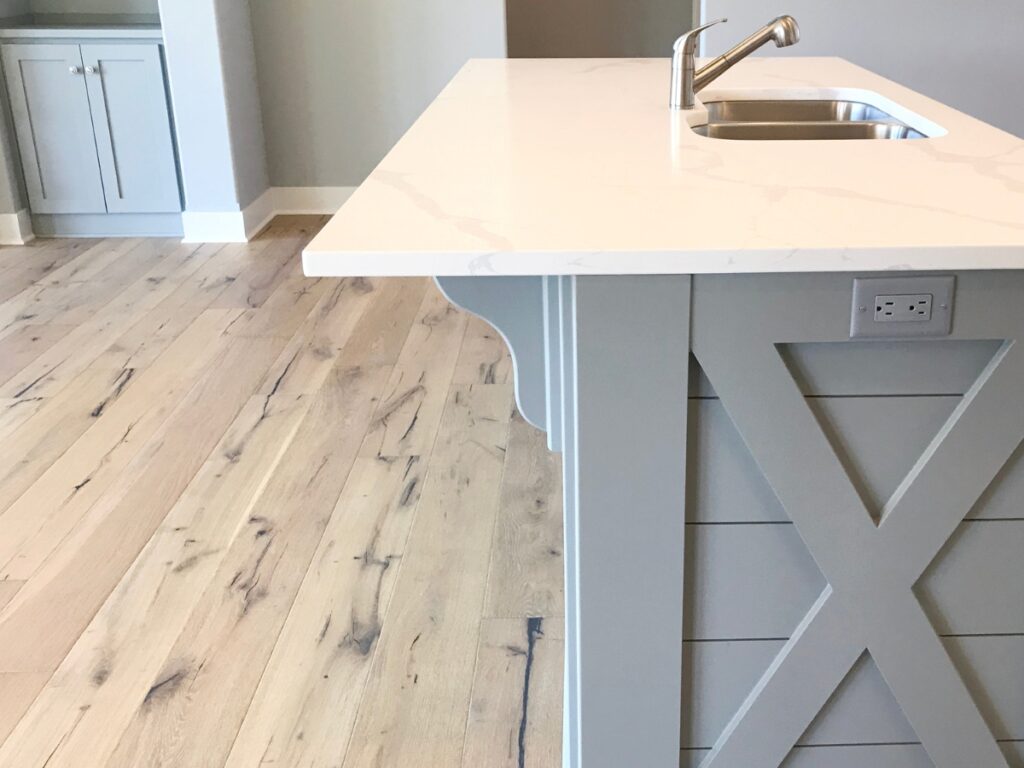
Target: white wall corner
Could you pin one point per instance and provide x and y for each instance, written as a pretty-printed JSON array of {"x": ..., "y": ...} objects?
[
  {"x": 16, "y": 228},
  {"x": 242, "y": 226},
  {"x": 259, "y": 213}
]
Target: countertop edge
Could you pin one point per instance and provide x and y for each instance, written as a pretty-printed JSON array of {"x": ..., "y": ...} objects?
[
  {"x": 317, "y": 263},
  {"x": 81, "y": 33}
]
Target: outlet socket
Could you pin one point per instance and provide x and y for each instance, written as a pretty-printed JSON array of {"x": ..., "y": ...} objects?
[
  {"x": 901, "y": 307},
  {"x": 904, "y": 308}
]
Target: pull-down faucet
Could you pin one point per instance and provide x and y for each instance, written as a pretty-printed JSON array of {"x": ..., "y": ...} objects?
[{"x": 687, "y": 79}]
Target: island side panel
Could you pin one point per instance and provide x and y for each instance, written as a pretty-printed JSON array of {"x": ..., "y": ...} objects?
[
  {"x": 896, "y": 411},
  {"x": 630, "y": 382}
]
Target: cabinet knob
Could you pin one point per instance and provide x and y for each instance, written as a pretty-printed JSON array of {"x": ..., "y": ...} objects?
[
  {"x": 92, "y": 70},
  {"x": 75, "y": 70}
]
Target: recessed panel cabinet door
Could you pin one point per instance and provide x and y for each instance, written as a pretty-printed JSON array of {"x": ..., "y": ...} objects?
[
  {"x": 133, "y": 127},
  {"x": 50, "y": 104}
]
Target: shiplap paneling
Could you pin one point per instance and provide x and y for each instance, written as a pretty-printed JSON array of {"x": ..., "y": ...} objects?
[
  {"x": 879, "y": 439},
  {"x": 850, "y": 368},
  {"x": 718, "y": 676},
  {"x": 758, "y": 581}
]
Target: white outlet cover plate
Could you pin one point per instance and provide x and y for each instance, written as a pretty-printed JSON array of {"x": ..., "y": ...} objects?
[{"x": 863, "y": 324}]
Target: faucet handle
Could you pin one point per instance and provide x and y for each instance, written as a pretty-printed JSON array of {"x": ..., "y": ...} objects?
[
  {"x": 684, "y": 68},
  {"x": 686, "y": 43}
]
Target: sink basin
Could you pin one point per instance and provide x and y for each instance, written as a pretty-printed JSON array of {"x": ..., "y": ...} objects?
[
  {"x": 808, "y": 131},
  {"x": 793, "y": 110},
  {"x": 801, "y": 119}
]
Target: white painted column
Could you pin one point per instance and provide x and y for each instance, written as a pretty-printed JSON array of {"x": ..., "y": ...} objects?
[{"x": 211, "y": 68}]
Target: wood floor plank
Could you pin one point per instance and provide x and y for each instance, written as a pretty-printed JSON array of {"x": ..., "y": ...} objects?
[
  {"x": 407, "y": 419},
  {"x": 226, "y": 266},
  {"x": 16, "y": 688},
  {"x": 379, "y": 336},
  {"x": 197, "y": 701},
  {"x": 526, "y": 571},
  {"x": 25, "y": 267},
  {"x": 152, "y": 260},
  {"x": 16, "y": 411},
  {"x": 57, "y": 501},
  {"x": 274, "y": 256},
  {"x": 52, "y": 370},
  {"x": 515, "y": 718},
  {"x": 306, "y": 704},
  {"x": 50, "y": 612},
  {"x": 43, "y": 438},
  {"x": 8, "y": 589},
  {"x": 80, "y": 715},
  {"x": 363, "y": 628},
  {"x": 75, "y": 302},
  {"x": 313, "y": 351},
  {"x": 284, "y": 311},
  {"x": 414, "y": 708},
  {"x": 93, "y": 260},
  {"x": 145, "y": 338},
  {"x": 26, "y": 344},
  {"x": 484, "y": 357}
]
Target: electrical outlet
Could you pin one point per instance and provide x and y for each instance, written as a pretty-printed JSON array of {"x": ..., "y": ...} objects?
[{"x": 906, "y": 306}]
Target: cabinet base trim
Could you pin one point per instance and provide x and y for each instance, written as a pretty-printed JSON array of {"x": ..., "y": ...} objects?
[
  {"x": 242, "y": 226},
  {"x": 16, "y": 228},
  {"x": 107, "y": 224}
]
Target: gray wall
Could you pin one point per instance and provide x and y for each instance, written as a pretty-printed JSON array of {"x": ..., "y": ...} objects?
[
  {"x": 585, "y": 28},
  {"x": 968, "y": 55},
  {"x": 341, "y": 80},
  {"x": 244, "y": 112},
  {"x": 13, "y": 7}
]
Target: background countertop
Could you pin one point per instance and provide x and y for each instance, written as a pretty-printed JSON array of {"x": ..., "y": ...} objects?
[{"x": 80, "y": 26}]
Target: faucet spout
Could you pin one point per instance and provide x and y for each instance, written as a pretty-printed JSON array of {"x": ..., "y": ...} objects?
[{"x": 687, "y": 80}]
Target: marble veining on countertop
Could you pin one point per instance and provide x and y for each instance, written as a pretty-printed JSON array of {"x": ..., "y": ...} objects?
[{"x": 577, "y": 166}]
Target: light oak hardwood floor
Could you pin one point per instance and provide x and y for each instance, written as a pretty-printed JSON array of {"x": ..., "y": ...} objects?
[{"x": 250, "y": 519}]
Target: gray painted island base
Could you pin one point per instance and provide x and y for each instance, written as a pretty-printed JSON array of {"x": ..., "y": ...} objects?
[{"x": 782, "y": 546}]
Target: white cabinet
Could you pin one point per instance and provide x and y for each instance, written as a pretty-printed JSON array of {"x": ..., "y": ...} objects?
[{"x": 93, "y": 127}]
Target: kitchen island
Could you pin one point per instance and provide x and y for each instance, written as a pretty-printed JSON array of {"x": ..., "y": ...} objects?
[{"x": 785, "y": 382}]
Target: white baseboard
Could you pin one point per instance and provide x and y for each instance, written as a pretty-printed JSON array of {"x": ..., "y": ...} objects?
[
  {"x": 16, "y": 228},
  {"x": 241, "y": 226},
  {"x": 325, "y": 200}
]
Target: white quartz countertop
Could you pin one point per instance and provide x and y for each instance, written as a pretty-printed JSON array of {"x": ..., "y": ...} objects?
[{"x": 573, "y": 166}]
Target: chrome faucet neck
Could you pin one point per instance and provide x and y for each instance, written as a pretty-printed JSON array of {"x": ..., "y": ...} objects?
[{"x": 687, "y": 80}]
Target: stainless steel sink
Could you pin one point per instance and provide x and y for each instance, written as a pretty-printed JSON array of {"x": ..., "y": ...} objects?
[
  {"x": 795, "y": 119},
  {"x": 807, "y": 131},
  {"x": 792, "y": 110}
]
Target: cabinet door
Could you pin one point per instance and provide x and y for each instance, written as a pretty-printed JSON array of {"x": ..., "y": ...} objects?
[
  {"x": 54, "y": 128},
  {"x": 133, "y": 127}
]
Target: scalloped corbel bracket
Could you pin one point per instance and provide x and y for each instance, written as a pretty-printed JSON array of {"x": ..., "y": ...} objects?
[{"x": 516, "y": 308}]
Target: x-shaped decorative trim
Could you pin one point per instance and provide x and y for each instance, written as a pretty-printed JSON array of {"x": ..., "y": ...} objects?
[{"x": 871, "y": 569}]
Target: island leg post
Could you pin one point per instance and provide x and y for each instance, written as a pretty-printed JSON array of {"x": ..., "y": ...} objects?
[{"x": 624, "y": 399}]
